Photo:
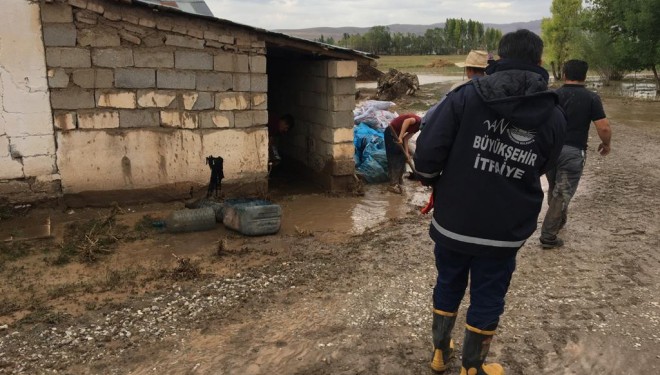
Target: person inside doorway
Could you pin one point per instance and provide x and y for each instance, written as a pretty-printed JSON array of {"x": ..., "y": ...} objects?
[{"x": 277, "y": 127}]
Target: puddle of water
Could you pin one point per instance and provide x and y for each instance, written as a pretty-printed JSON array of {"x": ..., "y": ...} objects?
[
  {"x": 348, "y": 215},
  {"x": 26, "y": 229},
  {"x": 641, "y": 114}
]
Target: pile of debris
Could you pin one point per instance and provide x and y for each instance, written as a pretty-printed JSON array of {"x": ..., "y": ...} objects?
[
  {"x": 376, "y": 114},
  {"x": 368, "y": 73},
  {"x": 396, "y": 84},
  {"x": 440, "y": 63}
]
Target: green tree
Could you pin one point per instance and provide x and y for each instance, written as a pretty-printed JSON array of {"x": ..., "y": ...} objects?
[
  {"x": 492, "y": 39},
  {"x": 454, "y": 34},
  {"x": 559, "y": 31},
  {"x": 435, "y": 41},
  {"x": 378, "y": 39},
  {"x": 604, "y": 54},
  {"x": 634, "y": 26}
]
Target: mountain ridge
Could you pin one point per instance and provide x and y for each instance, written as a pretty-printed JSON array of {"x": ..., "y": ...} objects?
[{"x": 338, "y": 32}]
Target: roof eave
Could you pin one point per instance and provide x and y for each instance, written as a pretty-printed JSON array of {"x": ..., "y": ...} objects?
[{"x": 272, "y": 37}]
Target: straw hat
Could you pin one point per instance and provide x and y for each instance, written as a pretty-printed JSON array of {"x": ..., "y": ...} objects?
[{"x": 475, "y": 59}]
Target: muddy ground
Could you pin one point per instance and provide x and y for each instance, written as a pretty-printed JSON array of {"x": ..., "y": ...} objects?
[{"x": 345, "y": 288}]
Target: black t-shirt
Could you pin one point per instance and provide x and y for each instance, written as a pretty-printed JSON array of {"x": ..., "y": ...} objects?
[{"x": 582, "y": 107}]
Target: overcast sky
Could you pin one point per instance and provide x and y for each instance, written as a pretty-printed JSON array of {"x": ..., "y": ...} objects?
[{"x": 299, "y": 14}]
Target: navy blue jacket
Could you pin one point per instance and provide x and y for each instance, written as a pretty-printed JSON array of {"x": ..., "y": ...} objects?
[{"x": 484, "y": 149}]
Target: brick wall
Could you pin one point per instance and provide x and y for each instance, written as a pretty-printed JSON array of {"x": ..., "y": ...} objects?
[
  {"x": 321, "y": 96},
  {"x": 190, "y": 88}
]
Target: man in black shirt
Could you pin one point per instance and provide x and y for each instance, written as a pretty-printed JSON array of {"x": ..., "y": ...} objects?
[{"x": 582, "y": 107}]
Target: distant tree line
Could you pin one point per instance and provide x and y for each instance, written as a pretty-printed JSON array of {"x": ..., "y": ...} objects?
[
  {"x": 457, "y": 37},
  {"x": 614, "y": 36}
]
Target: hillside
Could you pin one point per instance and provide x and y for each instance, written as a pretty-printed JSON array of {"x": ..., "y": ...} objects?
[{"x": 338, "y": 32}]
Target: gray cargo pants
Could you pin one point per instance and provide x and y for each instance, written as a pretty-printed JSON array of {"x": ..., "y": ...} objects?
[
  {"x": 396, "y": 158},
  {"x": 563, "y": 181}
]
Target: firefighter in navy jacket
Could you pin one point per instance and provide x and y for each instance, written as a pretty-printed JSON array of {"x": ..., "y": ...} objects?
[{"x": 484, "y": 149}]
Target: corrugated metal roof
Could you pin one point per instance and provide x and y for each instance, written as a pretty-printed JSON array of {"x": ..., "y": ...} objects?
[
  {"x": 282, "y": 40},
  {"x": 188, "y": 6}
]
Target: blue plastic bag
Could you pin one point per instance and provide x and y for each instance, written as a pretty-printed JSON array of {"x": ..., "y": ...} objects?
[
  {"x": 372, "y": 171},
  {"x": 370, "y": 156}
]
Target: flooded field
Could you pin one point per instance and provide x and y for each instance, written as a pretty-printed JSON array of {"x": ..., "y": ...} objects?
[
  {"x": 628, "y": 89},
  {"x": 424, "y": 79}
]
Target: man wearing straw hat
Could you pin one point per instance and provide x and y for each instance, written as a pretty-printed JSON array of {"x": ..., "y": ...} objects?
[{"x": 475, "y": 66}]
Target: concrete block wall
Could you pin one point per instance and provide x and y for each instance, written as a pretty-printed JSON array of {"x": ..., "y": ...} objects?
[
  {"x": 321, "y": 96},
  {"x": 177, "y": 89},
  {"x": 27, "y": 146}
]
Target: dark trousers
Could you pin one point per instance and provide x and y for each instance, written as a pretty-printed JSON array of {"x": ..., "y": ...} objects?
[
  {"x": 563, "y": 181},
  {"x": 489, "y": 281},
  {"x": 396, "y": 159}
]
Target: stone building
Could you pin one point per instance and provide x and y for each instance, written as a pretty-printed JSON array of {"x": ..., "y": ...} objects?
[{"x": 122, "y": 99}]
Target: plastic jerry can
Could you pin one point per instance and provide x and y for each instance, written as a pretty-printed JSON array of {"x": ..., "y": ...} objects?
[
  {"x": 216, "y": 206},
  {"x": 253, "y": 217},
  {"x": 193, "y": 220}
]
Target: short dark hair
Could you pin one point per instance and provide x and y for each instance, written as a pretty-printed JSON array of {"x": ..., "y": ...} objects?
[
  {"x": 522, "y": 45},
  {"x": 576, "y": 70},
  {"x": 476, "y": 70},
  {"x": 289, "y": 120}
]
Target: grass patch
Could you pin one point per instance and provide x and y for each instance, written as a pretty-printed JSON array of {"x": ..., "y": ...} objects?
[
  {"x": 67, "y": 252},
  {"x": 63, "y": 290},
  {"x": 115, "y": 279},
  {"x": 11, "y": 251},
  {"x": 417, "y": 106},
  {"x": 421, "y": 64},
  {"x": 8, "y": 307},
  {"x": 186, "y": 269},
  {"x": 44, "y": 315},
  {"x": 145, "y": 224},
  {"x": 92, "y": 240}
]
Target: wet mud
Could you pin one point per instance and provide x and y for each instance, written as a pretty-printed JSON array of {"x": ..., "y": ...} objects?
[{"x": 345, "y": 288}]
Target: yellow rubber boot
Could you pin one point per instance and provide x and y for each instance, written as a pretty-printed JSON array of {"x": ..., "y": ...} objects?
[
  {"x": 443, "y": 345},
  {"x": 475, "y": 350}
]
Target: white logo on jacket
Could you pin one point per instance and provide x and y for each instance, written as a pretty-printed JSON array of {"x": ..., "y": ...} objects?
[
  {"x": 521, "y": 136},
  {"x": 517, "y": 135},
  {"x": 496, "y": 126}
]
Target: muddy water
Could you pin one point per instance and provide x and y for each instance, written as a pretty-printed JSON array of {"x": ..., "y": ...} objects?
[
  {"x": 626, "y": 89},
  {"x": 639, "y": 89},
  {"x": 424, "y": 79},
  {"x": 634, "y": 113},
  {"x": 345, "y": 216}
]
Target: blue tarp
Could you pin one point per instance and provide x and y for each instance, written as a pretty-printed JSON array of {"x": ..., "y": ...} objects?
[{"x": 370, "y": 157}]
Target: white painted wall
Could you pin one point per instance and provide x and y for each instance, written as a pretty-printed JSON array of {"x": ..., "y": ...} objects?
[
  {"x": 27, "y": 142},
  {"x": 103, "y": 160}
]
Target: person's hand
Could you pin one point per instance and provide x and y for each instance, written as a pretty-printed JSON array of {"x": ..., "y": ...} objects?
[
  {"x": 399, "y": 141},
  {"x": 603, "y": 149}
]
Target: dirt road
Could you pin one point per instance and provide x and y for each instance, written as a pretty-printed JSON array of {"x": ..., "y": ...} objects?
[{"x": 309, "y": 303}]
